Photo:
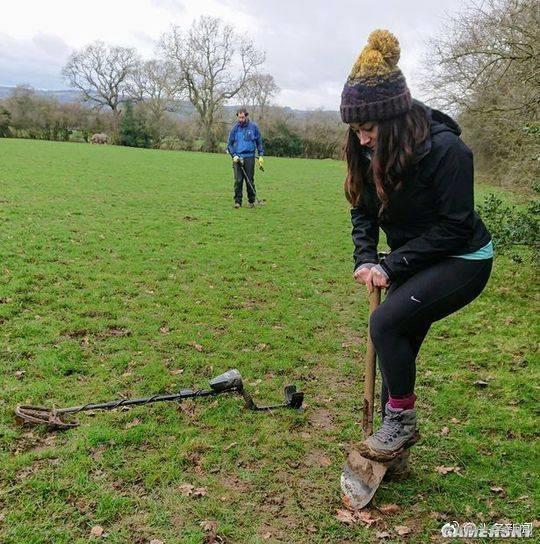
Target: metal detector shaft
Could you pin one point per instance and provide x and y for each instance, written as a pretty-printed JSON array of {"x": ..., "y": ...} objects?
[
  {"x": 249, "y": 182},
  {"x": 111, "y": 405}
]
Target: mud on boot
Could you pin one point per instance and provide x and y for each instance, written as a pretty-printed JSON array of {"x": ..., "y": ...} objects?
[
  {"x": 397, "y": 433},
  {"x": 398, "y": 469}
]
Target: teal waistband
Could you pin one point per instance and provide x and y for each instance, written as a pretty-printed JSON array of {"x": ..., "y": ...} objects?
[{"x": 485, "y": 252}]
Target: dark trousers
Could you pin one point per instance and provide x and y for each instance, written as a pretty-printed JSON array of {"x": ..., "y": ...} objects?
[
  {"x": 400, "y": 324},
  {"x": 239, "y": 179}
]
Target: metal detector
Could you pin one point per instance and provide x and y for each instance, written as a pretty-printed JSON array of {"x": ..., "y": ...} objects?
[{"x": 228, "y": 382}]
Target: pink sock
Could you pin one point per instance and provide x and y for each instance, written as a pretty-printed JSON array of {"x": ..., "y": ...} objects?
[{"x": 405, "y": 403}]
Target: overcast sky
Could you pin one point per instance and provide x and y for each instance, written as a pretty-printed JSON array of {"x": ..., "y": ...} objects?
[{"x": 310, "y": 45}]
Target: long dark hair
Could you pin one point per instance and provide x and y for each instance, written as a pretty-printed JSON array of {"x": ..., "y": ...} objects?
[{"x": 397, "y": 140}]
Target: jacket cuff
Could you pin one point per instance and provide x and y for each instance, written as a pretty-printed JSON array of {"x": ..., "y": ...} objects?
[
  {"x": 380, "y": 269},
  {"x": 384, "y": 267},
  {"x": 364, "y": 265}
]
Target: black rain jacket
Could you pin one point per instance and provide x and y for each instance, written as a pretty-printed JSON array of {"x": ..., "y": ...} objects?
[{"x": 431, "y": 216}]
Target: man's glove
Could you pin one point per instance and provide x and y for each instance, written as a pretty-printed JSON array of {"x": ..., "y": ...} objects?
[
  {"x": 261, "y": 163},
  {"x": 236, "y": 158}
]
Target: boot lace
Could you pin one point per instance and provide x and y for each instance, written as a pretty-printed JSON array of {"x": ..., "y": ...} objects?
[{"x": 390, "y": 429}]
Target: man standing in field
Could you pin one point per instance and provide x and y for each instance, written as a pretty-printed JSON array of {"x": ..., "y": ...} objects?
[{"x": 244, "y": 141}]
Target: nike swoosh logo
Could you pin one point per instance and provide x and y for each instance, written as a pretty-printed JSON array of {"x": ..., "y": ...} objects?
[{"x": 415, "y": 299}]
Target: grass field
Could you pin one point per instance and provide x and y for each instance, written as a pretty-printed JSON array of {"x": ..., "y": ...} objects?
[{"x": 127, "y": 272}]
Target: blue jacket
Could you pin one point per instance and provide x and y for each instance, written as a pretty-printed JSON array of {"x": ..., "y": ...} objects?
[{"x": 245, "y": 140}]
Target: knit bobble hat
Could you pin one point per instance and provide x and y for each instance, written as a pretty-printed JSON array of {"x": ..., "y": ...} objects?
[{"x": 376, "y": 89}]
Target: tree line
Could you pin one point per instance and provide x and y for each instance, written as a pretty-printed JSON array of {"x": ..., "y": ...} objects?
[
  {"x": 175, "y": 101},
  {"x": 483, "y": 67}
]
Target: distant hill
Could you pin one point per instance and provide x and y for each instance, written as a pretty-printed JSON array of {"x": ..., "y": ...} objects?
[{"x": 67, "y": 96}]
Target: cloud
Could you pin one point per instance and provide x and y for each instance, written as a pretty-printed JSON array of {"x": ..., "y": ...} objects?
[
  {"x": 37, "y": 61},
  {"x": 168, "y": 5},
  {"x": 309, "y": 51}
]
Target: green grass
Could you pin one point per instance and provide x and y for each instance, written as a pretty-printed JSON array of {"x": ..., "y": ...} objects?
[{"x": 117, "y": 264}]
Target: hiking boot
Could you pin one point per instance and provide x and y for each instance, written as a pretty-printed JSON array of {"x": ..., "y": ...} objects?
[
  {"x": 397, "y": 433},
  {"x": 237, "y": 205}
]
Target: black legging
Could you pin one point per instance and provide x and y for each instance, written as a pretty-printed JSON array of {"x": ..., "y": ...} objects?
[{"x": 400, "y": 324}]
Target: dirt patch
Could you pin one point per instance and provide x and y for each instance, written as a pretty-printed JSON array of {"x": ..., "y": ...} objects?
[
  {"x": 235, "y": 484},
  {"x": 317, "y": 458},
  {"x": 322, "y": 419},
  {"x": 113, "y": 331}
]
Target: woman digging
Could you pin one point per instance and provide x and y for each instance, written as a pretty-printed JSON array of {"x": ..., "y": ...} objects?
[{"x": 410, "y": 174}]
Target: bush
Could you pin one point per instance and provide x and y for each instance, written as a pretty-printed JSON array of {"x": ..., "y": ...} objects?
[
  {"x": 510, "y": 227},
  {"x": 283, "y": 142},
  {"x": 5, "y": 118},
  {"x": 133, "y": 131},
  {"x": 171, "y": 143}
]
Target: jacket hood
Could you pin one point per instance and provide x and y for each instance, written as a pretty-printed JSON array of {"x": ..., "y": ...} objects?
[{"x": 439, "y": 122}]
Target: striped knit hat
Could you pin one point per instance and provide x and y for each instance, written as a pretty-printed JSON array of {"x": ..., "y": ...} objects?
[{"x": 376, "y": 89}]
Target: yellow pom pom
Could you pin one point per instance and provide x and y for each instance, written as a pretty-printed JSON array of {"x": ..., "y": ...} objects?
[
  {"x": 372, "y": 63},
  {"x": 387, "y": 44},
  {"x": 379, "y": 57}
]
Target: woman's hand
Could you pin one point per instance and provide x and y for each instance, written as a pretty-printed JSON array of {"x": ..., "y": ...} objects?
[
  {"x": 361, "y": 274},
  {"x": 371, "y": 275},
  {"x": 377, "y": 278}
]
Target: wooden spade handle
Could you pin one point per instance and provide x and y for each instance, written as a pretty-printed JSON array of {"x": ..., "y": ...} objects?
[{"x": 369, "y": 375}]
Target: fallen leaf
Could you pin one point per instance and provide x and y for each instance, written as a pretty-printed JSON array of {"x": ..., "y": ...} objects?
[
  {"x": 365, "y": 517},
  {"x": 481, "y": 384},
  {"x": 231, "y": 445},
  {"x": 402, "y": 530},
  {"x": 156, "y": 541},
  {"x": 454, "y": 421},
  {"x": 266, "y": 536},
  {"x": 388, "y": 509},
  {"x": 200, "y": 492},
  {"x": 496, "y": 489},
  {"x": 164, "y": 330},
  {"x": 186, "y": 489},
  {"x": 446, "y": 470},
  {"x": 210, "y": 527},
  {"x": 97, "y": 530},
  {"x": 445, "y": 430},
  {"x": 198, "y": 347},
  {"x": 133, "y": 423},
  {"x": 345, "y": 516},
  {"x": 382, "y": 535},
  {"x": 177, "y": 371},
  {"x": 19, "y": 373}
]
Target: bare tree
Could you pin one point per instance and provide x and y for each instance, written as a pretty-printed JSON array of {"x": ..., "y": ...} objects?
[
  {"x": 214, "y": 63},
  {"x": 258, "y": 93},
  {"x": 101, "y": 73},
  {"x": 492, "y": 50},
  {"x": 485, "y": 68},
  {"x": 155, "y": 83}
]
